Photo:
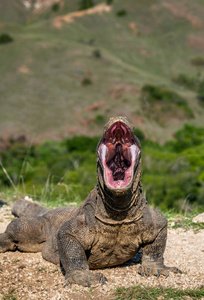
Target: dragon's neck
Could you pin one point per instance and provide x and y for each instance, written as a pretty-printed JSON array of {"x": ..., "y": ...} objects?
[{"x": 119, "y": 205}]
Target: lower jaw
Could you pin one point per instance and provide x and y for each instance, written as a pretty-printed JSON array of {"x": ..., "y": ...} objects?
[
  {"x": 119, "y": 191},
  {"x": 119, "y": 199}
]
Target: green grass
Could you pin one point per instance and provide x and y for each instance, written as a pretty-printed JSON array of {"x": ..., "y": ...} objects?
[
  {"x": 10, "y": 295},
  {"x": 183, "y": 220},
  {"x": 152, "y": 293},
  {"x": 43, "y": 68}
]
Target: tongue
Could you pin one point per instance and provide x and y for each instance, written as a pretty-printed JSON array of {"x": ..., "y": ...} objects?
[{"x": 118, "y": 149}]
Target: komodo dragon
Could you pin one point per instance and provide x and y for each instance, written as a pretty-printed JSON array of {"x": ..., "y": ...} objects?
[{"x": 109, "y": 228}]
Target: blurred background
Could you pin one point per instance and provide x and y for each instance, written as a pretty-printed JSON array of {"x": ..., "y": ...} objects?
[{"x": 67, "y": 66}]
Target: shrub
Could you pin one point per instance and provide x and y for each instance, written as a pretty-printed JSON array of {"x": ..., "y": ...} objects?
[
  {"x": 172, "y": 174},
  {"x": 164, "y": 101},
  {"x": 186, "y": 81},
  {"x": 86, "y": 81},
  {"x": 55, "y": 6},
  {"x": 153, "y": 93},
  {"x": 5, "y": 38},
  {"x": 96, "y": 53},
  {"x": 198, "y": 61},
  {"x": 122, "y": 12},
  {"x": 100, "y": 119},
  {"x": 85, "y": 4},
  {"x": 109, "y": 2},
  {"x": 188, "y": 137},
  {"x": 200, "y": 94},
  {"x": 81, "y": 144},
  {"x": 139, "y": 134}
]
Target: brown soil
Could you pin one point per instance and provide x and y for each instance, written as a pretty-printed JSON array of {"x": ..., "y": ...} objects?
[
  {"x": 69, "y": 18},
  {"x": 178, "y": 10},
  {"x": 196, "y": 42},
  {"x": 28, "y": 276},
  {"x": 134, "y": 28}
]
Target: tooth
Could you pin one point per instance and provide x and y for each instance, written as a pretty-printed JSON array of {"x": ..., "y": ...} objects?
[
  {"x": 134, "y": 152},
  {"x": 103, "y": 152}
]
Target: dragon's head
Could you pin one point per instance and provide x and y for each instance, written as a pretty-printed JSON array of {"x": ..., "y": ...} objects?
[{"x": 119, "y": 152}]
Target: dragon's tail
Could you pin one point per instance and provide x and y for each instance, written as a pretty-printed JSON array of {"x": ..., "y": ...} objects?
[{"x": 27, "y": 208}]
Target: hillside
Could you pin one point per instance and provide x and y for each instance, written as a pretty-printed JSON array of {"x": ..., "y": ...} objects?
[{"x": 67, "y": 71}]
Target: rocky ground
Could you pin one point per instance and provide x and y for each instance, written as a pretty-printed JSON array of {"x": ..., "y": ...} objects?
[{"x": 28, "y": 276}]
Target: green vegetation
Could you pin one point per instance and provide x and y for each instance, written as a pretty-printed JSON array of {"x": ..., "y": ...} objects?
[
  {"x": 55, "y": 6},
  {"x": 155, "y": 293},
  {"x": 201, "y": 92},
  {"x": 62, "y": 172},
  {"x": 50, "y": 79},
  {"x": 109, "y": 2},
  {"x": 86, "y": 81},
  {"x": 183, "y": 219},
  {"x": 5, "y": 38},
  {"x": 184, "y": 80},
  {"x": 41, "y": 269},
  {"x": 193, "y": 83},
  {"x": 43, "y": 70},
  {"x": 84, "y": 4},
  {"x": 122, "y": 12},
  {"x": 198, "y": 61},
  {"x": 160, "y": 103},
  {"x": 9, "y": 295},
  {"x": 100, "y": 119}
]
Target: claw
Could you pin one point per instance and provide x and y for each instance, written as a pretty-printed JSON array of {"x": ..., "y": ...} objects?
[
  {"x": 167, "y": 275},
  {"x": 148, "y": 271},
  {"x": 66, "y": 283},
  {"x": 158, "y": 273},
  {"x": 141, "y": 271},
  {"x": 103, "y": 281}
]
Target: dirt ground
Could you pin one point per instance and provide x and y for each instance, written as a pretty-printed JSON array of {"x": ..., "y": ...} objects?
[{"x": 28, "y": 276}]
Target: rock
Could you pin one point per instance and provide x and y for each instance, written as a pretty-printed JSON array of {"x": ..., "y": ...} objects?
[{"x": 199, "y": 218}]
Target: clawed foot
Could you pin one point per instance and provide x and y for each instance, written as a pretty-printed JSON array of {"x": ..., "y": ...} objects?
[
  {"x": 157, "y": 270},
  {"x": 85, "y": 278}
]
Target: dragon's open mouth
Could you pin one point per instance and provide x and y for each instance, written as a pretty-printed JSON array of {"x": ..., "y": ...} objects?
[{"x": 118, "y": 152}]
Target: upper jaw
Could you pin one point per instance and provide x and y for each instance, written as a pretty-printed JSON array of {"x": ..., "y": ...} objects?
[{"x": 118, "y": 152}]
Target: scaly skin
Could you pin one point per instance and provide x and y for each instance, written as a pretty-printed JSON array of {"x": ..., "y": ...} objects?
[{"x": 109, "y": 228}]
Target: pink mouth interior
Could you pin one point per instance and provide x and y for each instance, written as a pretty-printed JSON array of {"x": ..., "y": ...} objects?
[{"x": 118, "y": 152}]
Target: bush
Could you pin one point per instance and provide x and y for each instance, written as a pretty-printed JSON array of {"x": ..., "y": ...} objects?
[
  {"x": 100, "y": 119},
  {"x": 198, "y": 61},
  {"x": 86, "y": 81},
  {"x": 155, "y": 93},
  {"x": 109, "y": 2},
  {"x": 163, "y": 101},
  {"x": 122, "y": 12},
  {"x": 81, "y": 144},
  {"x": 85, "y": 4},
  {"x": 172, "y": 174},
  {"x": 187, "y": 137},
  {"x": 96, "y": 53},
  {"x": 200, "y": 94},
  {"x": 5, "y": 38},
  {"x": 139, "y": 134},
  {"x": 186, "y": 81},
  {"x": 55, "y": 6}
]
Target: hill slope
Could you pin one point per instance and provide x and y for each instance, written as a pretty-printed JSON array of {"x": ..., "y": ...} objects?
[{"x": 60, "y": 80}]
